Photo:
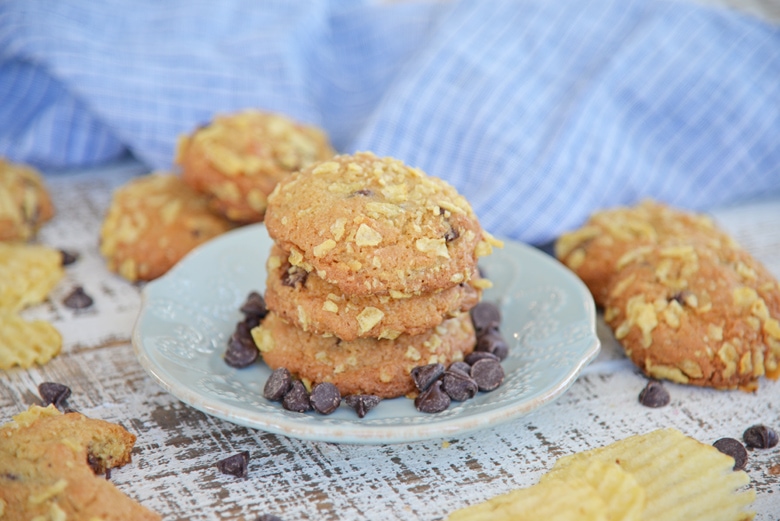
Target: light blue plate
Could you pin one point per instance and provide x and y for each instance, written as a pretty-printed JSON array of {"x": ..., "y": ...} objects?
[{"x": 188, "y": 315}]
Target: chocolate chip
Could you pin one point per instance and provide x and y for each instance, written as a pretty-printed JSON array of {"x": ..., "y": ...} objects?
[
  {"x": 425, "y": 375},
  {"x": 77, "y": 299},
  {"x": 297, "y": 398},
  {"x": 476, "y": 356},
  {"x": 462, "y": 367},
  {"x": 760, "y": 437},
  {"x": 241, "y": 351},
  {"x": 433, "y": 399},
  {"x": 733, "y": 448},
  {"x": 68, "y": 257},
  {"x": 254, "y": 306},
  {"x": 451, "y": 234},
  {"x": 493, "y": 342},
  {"x": 53, "y": 393},
  {"x": 277, "y": 384},
  {"x": 325, "y": 398},
  {"x": 268, "y": 517},
  {"x": 294, "y": 276},
  {"x": 485, "y": 316},
  {"x": 654, "y": 395},
  {"x": 364, "y": 192},
  {"x": 459, "y": 386},
  {"x": 235, "y": 465},
  {"x": 362, "y": 403},
  {"x": 487, "y": 373}
]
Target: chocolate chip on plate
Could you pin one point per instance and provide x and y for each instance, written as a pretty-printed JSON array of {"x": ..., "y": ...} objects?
[
  {"x": 485, "y": 316},
  {"x": 492, "y": 342},
  {"x": 433, "y": 399},
  {"x": 325, "y": 398},
  {"x": 53, "y": 393},
  {"x": 277, "y": 384},
  {"x": 254, "y": 306},
  {"x": 78, "y": 299},
  {"x": 68, "y": 257},
  {"x": 654, "y": 395},
  {"x": 487, "y": 373},
  {"x": 235, "y": 465},
  {"x": 459, "y": 386},
  {"x": 733, "y": 448},
  {"x": 362, "y": 403},
  {"x": 476, "y": 356},
  {"x": 241, "y": 351},
  {"x": 297, "y": 398},
  {"x": 760, "y": 437},
  {"x": 463, "y": 367},
  {"x": 425, "y": 375}
]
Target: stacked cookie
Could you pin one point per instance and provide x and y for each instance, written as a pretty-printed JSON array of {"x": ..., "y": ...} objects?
[
  {"x": 372, "y": 273},
  {"x": 685, "y": 301}
]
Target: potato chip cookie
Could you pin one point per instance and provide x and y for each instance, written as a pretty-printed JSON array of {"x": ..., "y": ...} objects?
[
  {"x": 365, "y": 365},
  {"x": 319, "y": 307},
  {"x": 593, "y": 251},
  {"x": 237, "y": 159},
  {"x": 28, "y": 272},
  {"x": 152, "y": 222},
  {"x": 25, "y": 204},
  {"x": 373, "y": 225},
  {"x": 24, "y": 343},
  {"x": 697, "y": 316},
  {"x": 50, "y": 461}
]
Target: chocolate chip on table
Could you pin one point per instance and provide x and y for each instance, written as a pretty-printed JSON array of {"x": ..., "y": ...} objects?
[
  {"x": 77, "y": 299},
  {"x": 733, "y": 448},
  {"x": 459, "y": 386},
  {"x": 433, "y": 399},
  {"x": 277, "y": 384},
  {"x": 241, "y": 351},
  {"x": 485, "y": 316},
  {"x": 476, "y": 356},
  {"x": 325, "y": 398},
  {"x": 654, "y": 395},
  {"x": 487, "y": 373},
  {"x": 254, "y": 306},
  {"x": 68, "y": 257},
  {"x": 463, "y": 367},
  {"x": 492, "y": 342},
  {"x": 362, "y": 403},
  {"x": 235, "y": 465},
  {"x": 53, "y": 393},
  {"x": 269, "y": 517},
  {"x": 297, "y": 398},
  {"x": 760, "y": 437},
  {"x": 425, "y": 375}
]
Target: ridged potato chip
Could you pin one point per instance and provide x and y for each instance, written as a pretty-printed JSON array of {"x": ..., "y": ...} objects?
[
  {"x": 551, "y": 500},
  {"x": 24, "y": 343},
  {"x": 28, "y": 273},
  {"x": 684, "y": 480}
]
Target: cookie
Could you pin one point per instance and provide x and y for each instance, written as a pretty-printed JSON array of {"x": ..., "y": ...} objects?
[
  {"x": 365, "y": 365},
  {"x": 50, "y": 461},
  {"x": 25, "y": 204},
  {"x": 593, "y": 251},
  {"x": 28, "y": 272},
  {"x": 152, "y": 222},
  {"x": 696, "y": 315},
  {"x": 314, "y": 305},
  {"x": 24, "y": 343},
  {"x": 237, "y": 159},
  {"x": 373, "y": 225}
]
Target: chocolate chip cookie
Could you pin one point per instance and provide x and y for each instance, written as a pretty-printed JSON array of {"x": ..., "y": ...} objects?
[{"x": 25, "y": 204}]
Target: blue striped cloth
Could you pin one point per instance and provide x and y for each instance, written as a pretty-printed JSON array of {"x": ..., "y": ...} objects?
[{"x": 538, "y": 111}]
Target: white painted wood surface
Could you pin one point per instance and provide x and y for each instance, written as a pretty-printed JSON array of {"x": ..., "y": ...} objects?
[{"x": 173, "y": 469}]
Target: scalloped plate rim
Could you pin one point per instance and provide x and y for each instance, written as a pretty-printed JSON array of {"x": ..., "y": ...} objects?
[{"x": 354, "y": 432}]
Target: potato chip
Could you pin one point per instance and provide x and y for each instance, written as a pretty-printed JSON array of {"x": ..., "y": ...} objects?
[
  {"x": 551, "y": 500},
  {"x": 623, "y": 496},
  {"x": 683, "y": 478},
  {"x": 27, "y": 274},
  {"x": 24, "y": 343}
]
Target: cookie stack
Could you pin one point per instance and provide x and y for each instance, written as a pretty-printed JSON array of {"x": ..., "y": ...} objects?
[{"x": 372, "y": 273}]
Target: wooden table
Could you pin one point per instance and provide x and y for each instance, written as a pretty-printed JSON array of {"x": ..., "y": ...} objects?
[{"x": 173, "y": 468}]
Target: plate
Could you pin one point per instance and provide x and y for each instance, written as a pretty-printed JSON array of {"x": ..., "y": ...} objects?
[{"x": 187, "y": 316}]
